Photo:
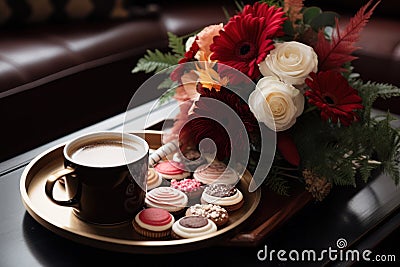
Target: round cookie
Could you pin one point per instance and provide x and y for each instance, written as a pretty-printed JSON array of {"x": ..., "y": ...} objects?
[
  {"x": 153, "y": 222},
  {"x": 171, "y": 170},
  {"x": 224, "y": 195},
  {"x": 216, "y": 172},
  {"x": 191, "y": 158},
  {"x": 191, "y": 187},
  {"x": 168, "y": 198},
  {"x": 154, "y": 179},
  {"x": 215, "y": 213},
  {"x": 192, "y": 226}
]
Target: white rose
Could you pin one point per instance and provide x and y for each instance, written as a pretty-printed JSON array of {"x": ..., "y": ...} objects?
[
  {"x": 189, "y": 43},
  {"x": 276, "y": 103},
  {"x": 291, "y": 62}
]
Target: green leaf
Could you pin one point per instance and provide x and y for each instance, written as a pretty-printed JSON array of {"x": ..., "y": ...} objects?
[
  {"x": 176, "y": 44},
  {"x": 277, "y": 3},
  {"x": 167, "y": 84},
  {"x": 310, "y": 13},
  {"x": 387, "y": 90},
  {"x": 288, "y": 29},
  {"x": 226, "y": 13},
  {"x": 239, "y": 5},
  {"x": 167, "y": 96},
  {"x": 366, "y": 169},
  {"x": 155, "y": 62},
  {"x": 324, "y": 19},
  {"x": 370, "y": 91}
]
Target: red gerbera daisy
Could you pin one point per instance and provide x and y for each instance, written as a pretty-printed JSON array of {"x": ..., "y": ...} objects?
[
  {"x": 243, "y": 44},
  {"x": 274, "y": 17},
  {"x": 212, "y": 118},
  {"x": 333, "y": 95}
]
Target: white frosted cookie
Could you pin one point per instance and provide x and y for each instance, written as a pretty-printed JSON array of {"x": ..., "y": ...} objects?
[
  {"x": 192, "y": 226},
  {"x": 168, "y": 198},
  {"x": 154, "y": 179},
  {"x": 224, "y": 195},
  {"x": 216, "y": 172},
  {"x": 216, "y": 213}
]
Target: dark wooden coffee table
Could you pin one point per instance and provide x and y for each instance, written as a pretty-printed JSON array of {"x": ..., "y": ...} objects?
[{"x": 363, "y": 216}]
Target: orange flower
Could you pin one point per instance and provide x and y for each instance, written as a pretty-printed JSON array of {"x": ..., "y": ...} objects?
[
  {"x": 205, "y": 39},
  {"x": 209, "y": 78}
]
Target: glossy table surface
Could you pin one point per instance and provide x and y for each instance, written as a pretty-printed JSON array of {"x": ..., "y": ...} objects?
[{"x": 363, "y": 216}]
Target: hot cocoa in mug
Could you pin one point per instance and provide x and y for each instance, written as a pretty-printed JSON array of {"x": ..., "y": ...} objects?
[{"x": 105, "y": 176}]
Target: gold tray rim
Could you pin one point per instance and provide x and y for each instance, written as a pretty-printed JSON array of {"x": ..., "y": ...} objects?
[{"x": 122, "y": 245}]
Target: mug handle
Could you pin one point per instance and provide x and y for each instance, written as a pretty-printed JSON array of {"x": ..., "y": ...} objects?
[{"x": 51, "y": 181}]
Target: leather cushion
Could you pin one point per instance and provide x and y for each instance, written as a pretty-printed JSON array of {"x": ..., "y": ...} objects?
[
  {"x": 37, "y": 55},
  {"x": 22, "y": 12}
]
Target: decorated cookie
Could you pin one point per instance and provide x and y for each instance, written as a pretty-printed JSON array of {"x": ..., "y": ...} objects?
[
  {"x": 171, "y": 170},
  {"x": 215, "y": 213},
  {"x": 224, "y": 195},
  {"x": 153, "y": 222},
  {"x": 154, "y": 179},
  {"x": 192, "y": 226},
  {"x": 191, "y": 187},
  {"x": 168, "y": 198},
  {"x": 216, "y": 172},
  {"x": 191, "y": 158}
]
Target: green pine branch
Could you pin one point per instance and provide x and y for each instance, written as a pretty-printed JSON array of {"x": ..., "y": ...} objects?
[{"x": 341, "y": 153}]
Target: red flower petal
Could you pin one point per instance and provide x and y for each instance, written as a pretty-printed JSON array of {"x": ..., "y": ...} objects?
[
  {"x": 205, "y": 120},
  {"x": 274, "y": 17},
  {"x": 245, "y": 42},
  {"x": 288, "y": 148},
  {"x": 332, "y": 94}
]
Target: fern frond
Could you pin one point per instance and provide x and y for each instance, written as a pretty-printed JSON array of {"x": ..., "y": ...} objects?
[
  {"x": 388, "y": 148},
  {"x": 155, "y": 61},
  {"x": 333, "y": 54},
  {"x": 370, "y": 91},
  {"x": 167, "y": 96},
  {"x": 387, "y": 91},
  {"x": 278, "y": 184},
  {"x": 365, "y": 168},
  {"x": 176, "y": 44},
  {"x": 393, "y": 170},
  {"x": 167, "y": 84}
]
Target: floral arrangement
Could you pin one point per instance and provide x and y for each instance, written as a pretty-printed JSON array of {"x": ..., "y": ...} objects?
[{"x": 290, "y": 70}]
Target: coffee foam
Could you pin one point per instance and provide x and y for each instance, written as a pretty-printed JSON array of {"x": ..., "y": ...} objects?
[{"x": 105, "y": 151}]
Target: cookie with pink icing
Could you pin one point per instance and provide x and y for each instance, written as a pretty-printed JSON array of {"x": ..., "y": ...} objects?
[
  {"x": 191, "y": 187},
  {"x": 185, "y": 185},
  {"x": 171, "y": 170},
  {"x": 168, "y": 198},
  {"x": 216, "y": 172},
  {"x": 153, "y": 222}
]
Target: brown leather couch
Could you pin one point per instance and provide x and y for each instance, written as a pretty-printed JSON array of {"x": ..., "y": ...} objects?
[{"x": 55, "y": 80}]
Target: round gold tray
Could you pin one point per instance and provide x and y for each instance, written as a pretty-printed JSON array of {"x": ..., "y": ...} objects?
[{"x": 121, "y": 237}]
